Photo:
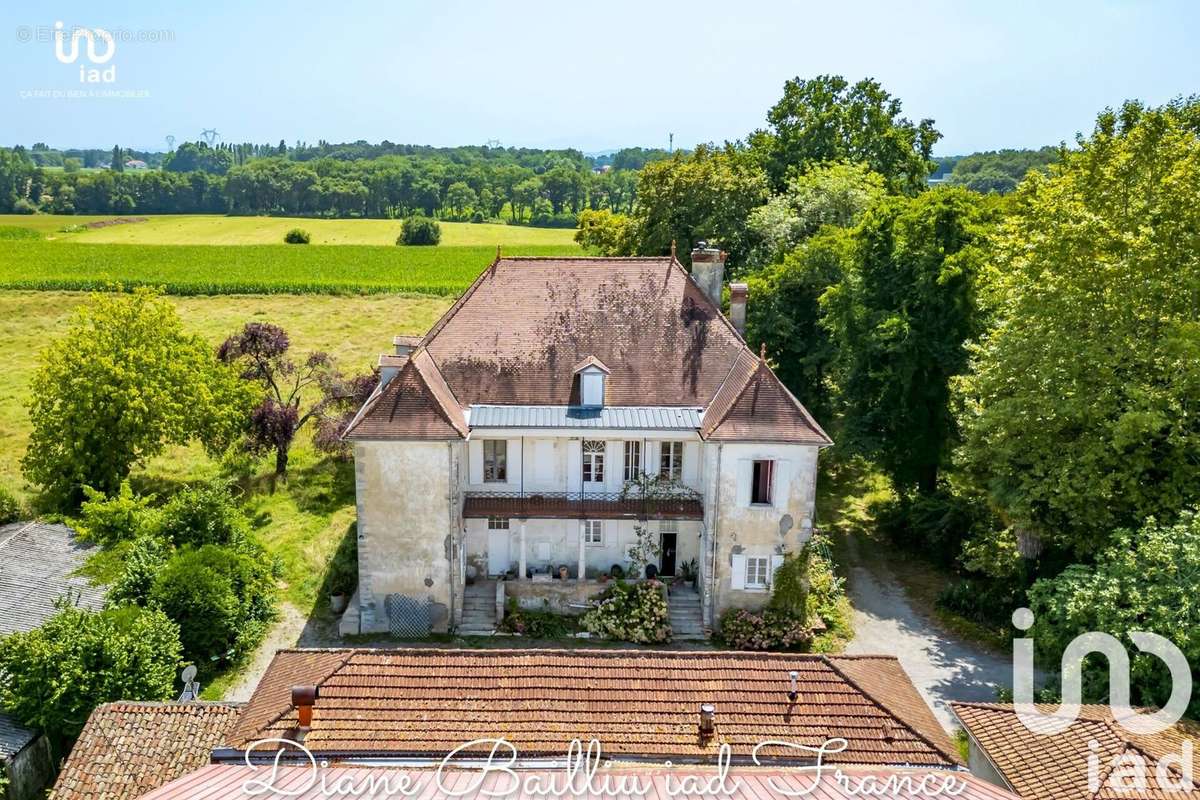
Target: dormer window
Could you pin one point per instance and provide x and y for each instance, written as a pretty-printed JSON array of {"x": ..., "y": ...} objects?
[{"x": 592, "y": 376}]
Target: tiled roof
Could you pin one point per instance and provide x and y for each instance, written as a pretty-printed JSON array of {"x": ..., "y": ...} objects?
[
  {"x": 1055, "y": 767},
  {"x": 760, "y": 408},
  {"x": 519, "y": 334},
  {"x": 416, "y": 404},
  {"x": 38, "y": 565},
  {"x": 636, "y": 703},
  {"x": 128, "y": 749},
  {"x": 228, "y": 782}
]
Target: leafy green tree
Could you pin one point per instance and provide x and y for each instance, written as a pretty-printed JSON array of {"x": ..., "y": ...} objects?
[
  {"x": 1081, "y": 413},
  {"x": 121, "y": 384},
  {"x": 118, "y": 159},
  {"x": 198, "y": 157},
  {"x": 832, "y": 194},
  {"x": 460, "y": 198},
  {"x": 901, "y": 318},
  {"x": 706, "y": 195},
  {"x": 785, "y": 314},
  {"x": 52, "y": 677},
  {"x": 1144, "y": 580},
  {"x": 420, "y": 230},
  {"x": 607, "y": 234},
  {"x": 827, "y": 119},
  {"x": 200, "y": 515}
]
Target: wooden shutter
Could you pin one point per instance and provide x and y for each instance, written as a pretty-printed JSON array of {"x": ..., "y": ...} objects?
[
  {"x": 514, "y": 462},
  {"x": 781, "y": 484},
  {"x": 745, "y": 476},
  {"x": 776, "y": 563},
  {"x": 737, "y": 577},
  {"x": 475, "y": 461},
  {"x": 574, "y": 465},
  {"x": 691, "y": 464}
]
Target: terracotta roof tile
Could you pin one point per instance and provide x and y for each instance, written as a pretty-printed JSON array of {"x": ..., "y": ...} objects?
[
  {"x": 1055, "y": 767},
  {"x": 637, "y": 703},
  {"x": 128, "y": 749},
  {"x": 753, "y": 405}
]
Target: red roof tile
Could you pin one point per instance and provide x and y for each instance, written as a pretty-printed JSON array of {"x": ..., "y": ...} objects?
[
  {"x": 636, "y": 703},
  {"x": 128, "y": 749}
]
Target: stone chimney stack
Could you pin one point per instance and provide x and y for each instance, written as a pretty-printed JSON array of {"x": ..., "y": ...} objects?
[
  {"x": 708, "y": 270},
  {"x": 739, "y": 293}
]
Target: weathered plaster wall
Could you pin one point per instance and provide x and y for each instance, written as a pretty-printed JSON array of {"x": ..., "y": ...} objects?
[
  {"x": 739, "y": 527},
  {"x": 407, "y": 510}
]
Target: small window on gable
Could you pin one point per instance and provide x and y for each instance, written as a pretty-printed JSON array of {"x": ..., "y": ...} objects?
[{"x": 762, "y": 480}]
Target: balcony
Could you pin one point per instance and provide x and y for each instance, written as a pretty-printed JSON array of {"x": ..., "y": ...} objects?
[{"x": 683, "y": 504}]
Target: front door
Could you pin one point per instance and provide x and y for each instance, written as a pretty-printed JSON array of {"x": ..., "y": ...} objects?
[
  {"x": 498, "y": 556},
  {"x": 668, "y": 554}
]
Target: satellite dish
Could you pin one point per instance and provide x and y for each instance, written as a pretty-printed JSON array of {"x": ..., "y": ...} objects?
[
  {"x": 189, "y": 673},
  {"x": 785, "y": 524}
]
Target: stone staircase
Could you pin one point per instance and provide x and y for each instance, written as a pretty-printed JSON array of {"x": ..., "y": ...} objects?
[
  {"x": 479, "y": 609},
  {"x": 683, "y": 604}
]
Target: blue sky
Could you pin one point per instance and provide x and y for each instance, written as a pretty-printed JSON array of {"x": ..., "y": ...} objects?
[{"x": 589, "y": 75}]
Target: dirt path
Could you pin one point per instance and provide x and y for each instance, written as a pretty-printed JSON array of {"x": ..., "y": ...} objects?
[
  {"x": 292, "y": 629},
  {"x": 943, "y": 667}
]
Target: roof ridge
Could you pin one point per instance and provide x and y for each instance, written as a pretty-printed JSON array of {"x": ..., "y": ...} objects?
[
  {"x": 580, "y": 651},
  {"x": 950, "y": 756}
]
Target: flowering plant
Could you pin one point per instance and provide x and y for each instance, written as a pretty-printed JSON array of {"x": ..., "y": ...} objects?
[
  {"x": 631, "y": 612},
  {"x": 770, "y": 629}
]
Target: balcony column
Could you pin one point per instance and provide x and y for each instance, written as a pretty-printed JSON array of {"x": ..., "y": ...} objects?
[
  {"x": 521, "y": 551},
  {"x": 582, "y": 553}
]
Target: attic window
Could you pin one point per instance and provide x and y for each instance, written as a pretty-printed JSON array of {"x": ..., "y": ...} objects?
[{"x": 591, "y": 386}]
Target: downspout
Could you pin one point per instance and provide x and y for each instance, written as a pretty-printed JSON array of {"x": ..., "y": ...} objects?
[
  {"x": 455, "y": 534},
  {"x": 712, "y": 573}
]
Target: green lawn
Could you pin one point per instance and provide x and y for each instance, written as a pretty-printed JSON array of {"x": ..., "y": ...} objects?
[
  {"x": 213, "y": 229},
  {"x": 248, "y": 269}
]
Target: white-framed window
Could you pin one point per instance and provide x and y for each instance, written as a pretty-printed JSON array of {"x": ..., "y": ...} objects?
[
  {"x": 593, "y": 532},
  {"x": 633, "y": 461},
  {"x": 495, "y": 460},
  {"x": 497, "y": 523},
  {"x": 593, "y": 461},
  {"x": 670, "y": 460},
  {"x": 668, "y": 526},
  {"x": 757, "y": 572},
  {"x": 762, "y": 479}
]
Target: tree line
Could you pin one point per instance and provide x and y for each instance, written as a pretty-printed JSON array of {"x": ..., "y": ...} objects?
[{"x": 1022, "y": 368}]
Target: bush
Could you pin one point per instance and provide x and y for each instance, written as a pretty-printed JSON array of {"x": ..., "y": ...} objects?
[
  {"x": 535, "y": 624},
  {"x": 221, "y": 599},
  {"x": 17, "y": 233},
  {"x": 10, "y": 507},
  {"x": 934, "y": 525},
  {"x": 203, "y": 515},
  {"x": 420, "y": 230},
  {"x": 477, "y": 217},
  {"x": 145, "y": 560},
  {"x": 108, "y": 520},
  {"x": 628, "y": 612},
  {"x": 770, "y": 629},
  {"x": 53, "y": 676},
  {"x": 23, "y": 206},
  {"x": 297, "y": 236}
]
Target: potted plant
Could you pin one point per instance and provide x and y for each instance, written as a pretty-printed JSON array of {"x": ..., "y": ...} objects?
[{"x": 562, "y": 572}]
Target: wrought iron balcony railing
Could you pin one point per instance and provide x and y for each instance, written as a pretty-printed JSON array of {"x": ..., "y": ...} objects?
[{"x": 683, "y": 504}]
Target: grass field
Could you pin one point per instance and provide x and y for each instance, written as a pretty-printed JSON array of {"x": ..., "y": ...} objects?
[
  {"x": 211, "y": 229},
  {"x": 248, "y": 269}
]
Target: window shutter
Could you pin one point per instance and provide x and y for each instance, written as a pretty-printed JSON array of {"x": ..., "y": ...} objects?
[
  {"x": 574, "y": 465},
  {"x": 745, "y": 475},
  {"x": 475, "y": 461},
  {"x": 515, "y": 462},
  {"x": 650, "y": 458},
  {"x": 781, "y": 484},
  {"x": 737, "y": 579},
  {"x": 776, "y": 563},
  {"x": 691, "y": 463},
  {"x": 613, "y": 456}
]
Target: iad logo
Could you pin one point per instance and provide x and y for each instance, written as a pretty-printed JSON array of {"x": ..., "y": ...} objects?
[
  {"x": 97, "y": 58},
  {"x": 1118, "y": 680}
]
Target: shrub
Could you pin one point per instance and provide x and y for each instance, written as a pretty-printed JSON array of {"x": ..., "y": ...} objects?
[
  {"x": 10, "y": 507},
  {"x": 122, "y": 517},
  {"x": 535, "y": 624},
  {"x": 147, "y": 556},
  {"x": 221, "y": 599},
  {"x": 203, "y": 515},
  {"x": 631, "y": 612},
  {"x": 420, "y": 230},
  {"x": 15, "y": 232},
  {"x": 935, "y": 525},
  {"x": 53, "y": 676},
  {"x": 770, "y": 629},
  {"x": 477, "y": 217},
  {"x": 297, "y": 236},
  {"x": 23, "y": 206}
]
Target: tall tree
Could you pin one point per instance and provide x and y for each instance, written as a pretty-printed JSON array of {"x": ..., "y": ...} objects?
[
  {"x": 827, "y": 119},
  {"x": 901, "y": 318},
  {"x": 121, "y": 384},
  {"x": 1082, "y": 414},
  {"x": 118, "y": 159}
]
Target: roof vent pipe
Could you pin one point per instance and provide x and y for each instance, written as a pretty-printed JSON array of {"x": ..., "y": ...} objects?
[
  {"x": 303, "y": 698},
  {"x": 793, "y": 693},
  {"x": 708, "y": 721}
]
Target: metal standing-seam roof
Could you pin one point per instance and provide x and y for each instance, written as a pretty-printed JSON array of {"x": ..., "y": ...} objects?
[{"x": 612, "y": 417}]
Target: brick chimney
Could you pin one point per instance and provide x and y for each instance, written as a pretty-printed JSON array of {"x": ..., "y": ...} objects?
[
  {"x": 708, "y": 270},
  {"x": 739, "y": 293}
]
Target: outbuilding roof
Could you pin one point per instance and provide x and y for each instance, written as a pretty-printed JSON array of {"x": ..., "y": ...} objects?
[
  {"x": 638, "y": 704},
  {"x": 39, "y": 563}
]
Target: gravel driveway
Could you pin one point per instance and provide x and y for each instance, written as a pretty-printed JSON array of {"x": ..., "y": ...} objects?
[{"x": 943, "y": 667}]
